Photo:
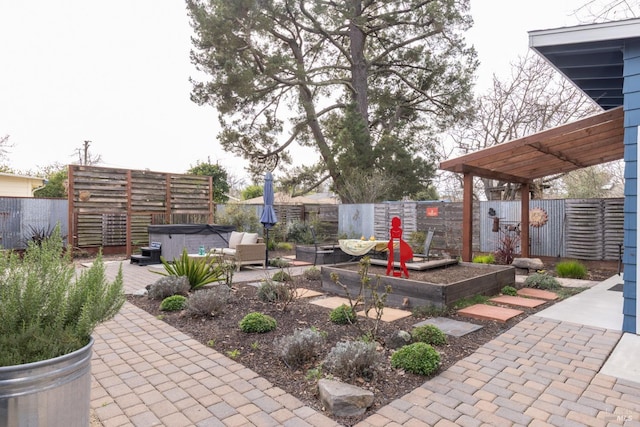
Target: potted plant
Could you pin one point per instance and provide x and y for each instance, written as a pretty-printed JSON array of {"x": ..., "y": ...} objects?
[{"x": 47, "y": 315}]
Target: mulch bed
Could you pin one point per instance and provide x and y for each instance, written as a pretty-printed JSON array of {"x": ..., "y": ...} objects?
[{"x": 258, "y": 352}]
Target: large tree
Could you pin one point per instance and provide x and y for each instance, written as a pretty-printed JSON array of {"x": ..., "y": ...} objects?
[
  {"x": 219, "y": 176},
  {"x": 366, "y": 83}
]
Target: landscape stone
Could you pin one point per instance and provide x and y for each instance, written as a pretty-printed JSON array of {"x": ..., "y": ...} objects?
[
  {"x": 528, "y": 263},
  {"x": 344, "y": 400},
  {"x": 398, "y": 339}
]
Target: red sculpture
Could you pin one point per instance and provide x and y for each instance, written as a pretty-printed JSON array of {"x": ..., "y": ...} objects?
[{"x": 406, "y": 253}]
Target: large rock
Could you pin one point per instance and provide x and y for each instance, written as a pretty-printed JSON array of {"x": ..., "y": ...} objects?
[
  {"x": 528, "y": 263},
  {"x": 398, "y": 339},
  {"x": 344, "y": 400}
]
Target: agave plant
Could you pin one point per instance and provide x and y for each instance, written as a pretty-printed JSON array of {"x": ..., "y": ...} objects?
[{"x": 199, "y": 272}]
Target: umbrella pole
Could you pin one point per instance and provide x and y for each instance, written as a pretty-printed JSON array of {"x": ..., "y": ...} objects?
[{"x": 266, "y": 250}]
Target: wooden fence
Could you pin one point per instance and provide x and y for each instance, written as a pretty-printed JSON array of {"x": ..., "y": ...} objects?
[{"x": 111, "y": 208}]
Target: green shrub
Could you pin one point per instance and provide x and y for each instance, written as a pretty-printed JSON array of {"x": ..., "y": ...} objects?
[
  {"x": 571, "y": 269},
  {"x": 299, "y": 232},
  {"x": 279, "y": 262},
  {"x": 281, "y": 276},
  {"x": 284, "y": 246},
  {"x": 484, "y": 259},
  {"x": 429, "y": 334},
  {"x": 270, "y": 291},
  {"x": 342, "y": 315},
  {"x": 541, "y": 281},
  {"x": 352, "y": 359},
  {"x": 419, "y": 358},
  {"x": 257, "y": 323},
  {"x": 208, "y": 302},
  {"x": 173, "y": 303},
  {"x": 312, "y": 273},
  {"x": 46, "y": 309},
  {"x": 301, "y": 347},
  {"x": 243, "y": 217},
  {"x": 509, "y": 290},
  {"x": 199, "y": 271}
]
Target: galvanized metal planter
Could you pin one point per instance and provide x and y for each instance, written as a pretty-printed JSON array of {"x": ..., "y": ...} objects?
[{"x": 51, "y": 393}]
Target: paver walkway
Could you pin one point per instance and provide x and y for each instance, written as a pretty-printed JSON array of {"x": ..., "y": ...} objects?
[{"x": 540, "y": 372}]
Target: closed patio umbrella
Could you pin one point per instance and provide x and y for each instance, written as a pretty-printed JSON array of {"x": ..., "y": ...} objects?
[{"x": 268, "y": 217}]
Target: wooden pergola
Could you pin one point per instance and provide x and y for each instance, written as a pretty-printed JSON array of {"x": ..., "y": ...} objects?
[{"x": 591, "y": 141}]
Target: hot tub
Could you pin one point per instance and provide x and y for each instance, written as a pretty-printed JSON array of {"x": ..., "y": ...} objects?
[{"x": 176, "y": 237}]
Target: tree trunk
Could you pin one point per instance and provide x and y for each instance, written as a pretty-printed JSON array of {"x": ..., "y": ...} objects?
[{"x": 359, "y": 79}]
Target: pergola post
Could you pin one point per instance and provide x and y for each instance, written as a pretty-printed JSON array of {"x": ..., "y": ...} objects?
[
  {"x": 524, "y": 220},
  {"x": 467, "y": 218}
]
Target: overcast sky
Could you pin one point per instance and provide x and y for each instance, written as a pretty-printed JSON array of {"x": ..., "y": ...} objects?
[{"x": 116, "y": 73}]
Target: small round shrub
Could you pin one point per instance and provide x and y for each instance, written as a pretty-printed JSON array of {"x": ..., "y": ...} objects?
[
  {"x": 509, "y": 290},
  {"x": 342, "y": 315},
  {"x": 281, "y": 276},
  {"x": 208, "y": 302},
  {"x": 279, "y": 262},
  {"x": 312, "y": 273},
  {"x": 571, "y": 269},
  {"x": 419, "y": 358},
  {"x": 429, "y": 334},
  {"x": 284, "y": 246},
  {"x": 541, "y": 281},
  {"x": 301, "y": 347},
  {"x": 257, "y": 322},
  {"x": 173, "y": 303},
  {"x": 272, "y": 291},
  {"x": 484, "y": 259},
  {"x": 352, "y": 359}
]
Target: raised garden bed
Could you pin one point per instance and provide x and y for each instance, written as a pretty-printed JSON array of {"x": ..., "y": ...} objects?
[{"x": 439, "y": 287}]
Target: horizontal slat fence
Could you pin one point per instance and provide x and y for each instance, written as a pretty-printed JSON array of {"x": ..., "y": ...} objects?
[
  {"x": 589, "y": 229},
  {"x": 112, "y": 207}
]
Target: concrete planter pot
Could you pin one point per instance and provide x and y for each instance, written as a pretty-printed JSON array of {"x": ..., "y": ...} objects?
[
  {"x": 412, "y": 293},
  {"x": 52, "y": 393}
]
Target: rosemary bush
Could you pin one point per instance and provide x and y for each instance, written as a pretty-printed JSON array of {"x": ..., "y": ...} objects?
[{"x": 47, "y": 310}]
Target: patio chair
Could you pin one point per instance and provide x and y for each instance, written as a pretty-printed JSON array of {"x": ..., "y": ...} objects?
[
  {"x": 323, "y": 250},
  {"x": 427, "y": 246}
]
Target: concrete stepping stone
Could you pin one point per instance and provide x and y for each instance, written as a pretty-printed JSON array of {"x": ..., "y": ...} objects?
[
  {"x": 454, "y": 328},
  {"x": 388, "y": 314},
  {"x": 489, "y": 312},
  {"x": 517, "y": 301},
  {"x": 307, "y": 293},
  {"x": 538, "y": 293},
  {"x": 330, "y": 302}
]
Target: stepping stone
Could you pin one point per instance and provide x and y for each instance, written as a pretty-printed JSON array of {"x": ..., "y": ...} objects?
[
  {"x": 538, "y": 293},
  {"x": 489, "y": 312},
  {"x": 388, "y": 314},
  {"x": 330, "y": 302},
  {"x": 518, "y": 301},
  {"x": 307, "y": 293},
  {"x": 454, "y": 328}
]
